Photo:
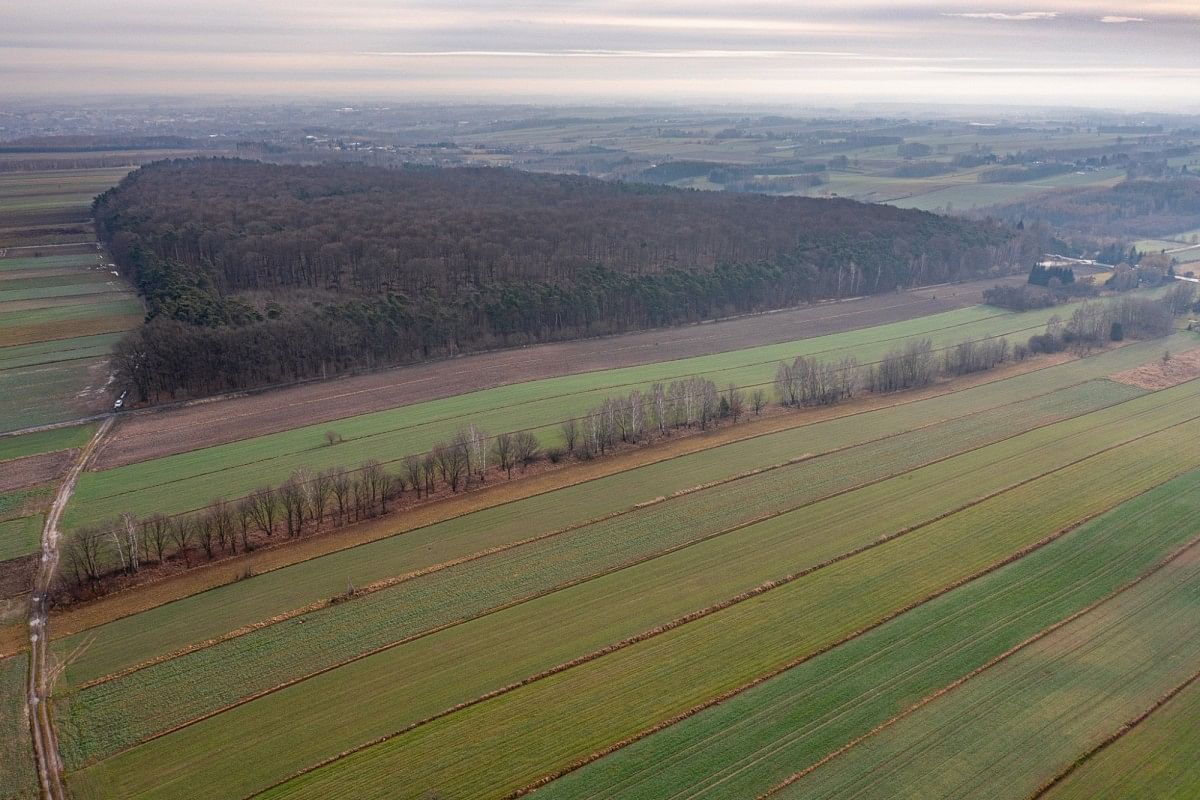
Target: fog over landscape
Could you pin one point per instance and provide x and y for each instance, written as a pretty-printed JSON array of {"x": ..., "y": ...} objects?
[{"x": 1107, "y": 54}]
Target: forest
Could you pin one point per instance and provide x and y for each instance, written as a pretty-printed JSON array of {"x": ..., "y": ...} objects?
[
  {"x": 1131, "y": 209},
  {"x": 256, "y": 273}
]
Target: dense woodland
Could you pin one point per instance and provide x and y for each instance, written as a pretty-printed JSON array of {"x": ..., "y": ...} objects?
[
  {"x": 257, "y": 273},
  {"x": 1131, "y": 209}
]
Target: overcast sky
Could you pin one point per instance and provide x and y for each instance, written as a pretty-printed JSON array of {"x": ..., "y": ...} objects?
[{"x": 1109, "y": 54}]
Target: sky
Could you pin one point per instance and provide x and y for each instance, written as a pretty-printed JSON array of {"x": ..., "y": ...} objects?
[{"x": 1108, "y": 54}]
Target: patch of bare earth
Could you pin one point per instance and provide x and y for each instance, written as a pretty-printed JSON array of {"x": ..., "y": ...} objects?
[
  {"x": 32, "y": 470},
  {"x": 1163, "y": 373}
]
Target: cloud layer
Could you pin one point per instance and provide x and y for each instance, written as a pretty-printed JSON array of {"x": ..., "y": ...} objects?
[{"x": 1071, "y": 51}]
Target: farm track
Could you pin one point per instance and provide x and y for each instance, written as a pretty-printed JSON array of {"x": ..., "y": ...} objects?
[
  {"x": 775, "y": 585},
  {"x": 45, "y": 740},
  {"x": 143, "y": 436}
]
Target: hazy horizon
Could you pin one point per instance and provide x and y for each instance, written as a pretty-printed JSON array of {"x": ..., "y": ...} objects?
[{"x": 1104, "y": 54}]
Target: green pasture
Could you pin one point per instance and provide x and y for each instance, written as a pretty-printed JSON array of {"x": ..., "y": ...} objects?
[
  {"x": 47, "y": 261},
  {"x": 18, "y": 779},
  {"x": 20, "y": 536},
  {"x": 505, "y": 743},
  {"x": 29, "y": 444},
  {"x": 45, "y": 394},
  {"x": 41, "y": 353}
]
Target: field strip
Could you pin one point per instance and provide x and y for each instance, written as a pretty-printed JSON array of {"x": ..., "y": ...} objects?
[
  {"x": 516, "y": 516},
  {"x": 264, "y": 654},
  {"x": 1030, "y": 715},
  {"x": 757, "y": 739},
  {"x": 530, "y": 741},
  {"x": 644, "y": 507},
  {"x": 995, "y": 538},
  {"x": 495, "y": 496},
  {"x": 598, "y": 391},
  {"x": 947, "y": 689},
  {"x": 1116, "y": 735}
]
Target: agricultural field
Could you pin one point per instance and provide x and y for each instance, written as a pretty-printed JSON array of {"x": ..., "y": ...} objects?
[
  {"x": 190, "y": 480},
  {"x": 982, "y": 582},
  {"x": 61, "y": 309},
  {"x": 1155, "y": 759},
  {"x": 628, "y": 592}
]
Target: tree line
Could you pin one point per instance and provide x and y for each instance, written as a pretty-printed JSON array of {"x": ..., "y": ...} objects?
[
  {"x": 256, "y": 273},
  {"x": 309, "y": 502}
]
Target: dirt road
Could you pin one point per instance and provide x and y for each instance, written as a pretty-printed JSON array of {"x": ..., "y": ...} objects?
[{"x": 45, "y": 742}]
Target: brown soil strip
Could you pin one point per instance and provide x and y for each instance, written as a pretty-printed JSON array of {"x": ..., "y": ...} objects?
[
  {"x": 221, "y": 572},
  {"x": 983, "y": 668},
  {"x": 68, "y": 329},
  {"x": 16, "y": 576},
  {"x": 1162, "y": 374},
  {"x": 1114, "y": 736},
  {"x": 141, "y": 437},
  {"x": 64, "y": 300},
  {"x": 19, "y": 473}
]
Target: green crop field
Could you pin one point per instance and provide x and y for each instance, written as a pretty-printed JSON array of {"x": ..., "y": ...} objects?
[
  {"x": 266, "y": 595},
  {"x": 190, "y": 480},
  {"x": 761, "y": 737},
  {"x": 49, "y": 441},
  {"x": 1015, "y": 726},
  {"x": 275, "y": 654},
  {"x": 1156, "y": 759},
  {"x": 504, "y": 743},
  {"x": 20, "y": 536},
  {"x": 687, "y": 578},
  {"x": 18, "y": 778},
  {"x": 42, "y": 353},
  {"x": 47, "y": 262}
]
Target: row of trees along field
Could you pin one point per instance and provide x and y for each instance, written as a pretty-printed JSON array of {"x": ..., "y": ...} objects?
[
  {"x": 258, "y": 274},
  {"x": 308, "y": 503}
]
